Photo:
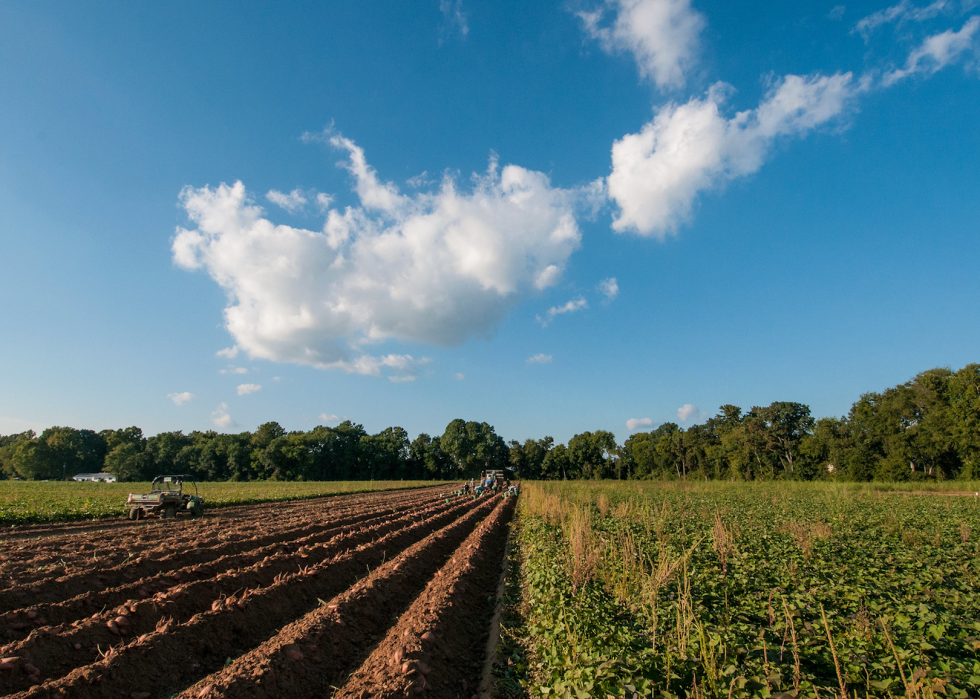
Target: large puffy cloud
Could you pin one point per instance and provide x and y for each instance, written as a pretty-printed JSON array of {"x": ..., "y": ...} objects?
[
  {"x": 662, "y": 35},
  {"x": 433, "y": 268},
  {"x": 938, "y": 51},
  {"x": 686, "y": 148}
]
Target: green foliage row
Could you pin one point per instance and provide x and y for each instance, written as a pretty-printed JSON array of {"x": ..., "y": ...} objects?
[
  {"x": 24, "y": 502},
  {"x": 744, "y": 590}
]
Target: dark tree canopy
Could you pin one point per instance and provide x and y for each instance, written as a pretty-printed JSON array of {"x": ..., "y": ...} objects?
[{"x": 927, "y": 428}]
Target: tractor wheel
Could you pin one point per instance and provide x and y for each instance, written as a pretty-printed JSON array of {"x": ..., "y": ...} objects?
[
  {"x": 168, "y": 512},
  {"x": 140, "y": 513},
  {"x": 134, "y": 514},
  {"x": 197, "y": 511}
]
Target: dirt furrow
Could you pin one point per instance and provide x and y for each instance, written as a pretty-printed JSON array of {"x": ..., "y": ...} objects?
[
  {"x": 46, "y": 647},
  {"x": 44, "y": 559},
  {"x": 12, "y": 533},
  {"x": 82, "y": 605},
  {"x": 315, "y": 654},
  {"x": 176, "y": 655},
  {"x": 439, "y": 645},
  {"x": 149, "y": 564},
  {"x": 215, "y": 531}
]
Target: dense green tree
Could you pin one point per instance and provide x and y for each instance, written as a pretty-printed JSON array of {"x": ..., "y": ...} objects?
[
  {"x": 557, "y": 465},
  {"x": 592, "y": 454},
  {"x": 428, "y": 459},
  {"x": 527, "y": 460},
  {"x": 473, "y": 447},
  {"x": 7, "y": 445}
]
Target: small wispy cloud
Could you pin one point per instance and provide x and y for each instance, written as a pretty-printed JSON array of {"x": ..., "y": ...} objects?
[
  {"x": 837, "y": 13},
  {"x": 609, "y": 288},
  {"x": 227, "y": 352},
  {"x": 181, "y": 398},
  {"x": 221, "y": 418},
  {"x": 635, "y": 422},
  {"x": 292, "y": 202},
  {"x": 459, "y": 376},
  {"x": 574, "y": 305},
  {"x": 329, "y": 418},
  {"x": 662, "y": 35},
  {"x": 323, "y": 202},
  {"x": 539, "y": 359},
  {"x": 246, "y": 388},
  {"x": 420, "y": 180},
  {"x": 454, "y": 18},
  {"x": 401, "y": 379},
  {"x": 903, "y": 12},
  {"x": 232, "y": 369},
  {"x": 938, "y": 51},
  {"x": 689, "y": 412}
]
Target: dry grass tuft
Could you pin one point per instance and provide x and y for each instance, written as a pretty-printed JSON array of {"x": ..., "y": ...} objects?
[{"x": 805, "y": 534}]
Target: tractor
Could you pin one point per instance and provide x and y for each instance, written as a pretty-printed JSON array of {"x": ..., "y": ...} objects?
[{"x": 166, "y": 499}]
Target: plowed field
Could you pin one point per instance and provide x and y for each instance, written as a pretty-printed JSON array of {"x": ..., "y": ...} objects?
[{"x": 376, "y": 595}]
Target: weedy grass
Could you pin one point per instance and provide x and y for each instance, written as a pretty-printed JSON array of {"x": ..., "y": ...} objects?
[
  {"x": 749, "y": 590},
  {"x": 33, "y": 502}
]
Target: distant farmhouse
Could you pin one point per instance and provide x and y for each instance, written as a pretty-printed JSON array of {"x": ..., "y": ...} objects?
[{"x": 95, "y": 477}]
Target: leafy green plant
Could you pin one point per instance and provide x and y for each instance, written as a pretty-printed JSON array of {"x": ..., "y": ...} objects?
[{"x": 745, "y": 590}]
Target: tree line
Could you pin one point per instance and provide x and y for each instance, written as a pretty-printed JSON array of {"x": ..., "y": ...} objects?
[
  {"x": 344, "y": 452},
  {"x": 927, "y": 428}
]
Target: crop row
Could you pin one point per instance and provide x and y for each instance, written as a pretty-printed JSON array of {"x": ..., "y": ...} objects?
[{"x": 743, "y": 592}]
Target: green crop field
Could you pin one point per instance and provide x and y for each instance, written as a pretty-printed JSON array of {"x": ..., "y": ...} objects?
[
  {"x": 31, "y": 502},
  {"x": 744, "y": 590}
]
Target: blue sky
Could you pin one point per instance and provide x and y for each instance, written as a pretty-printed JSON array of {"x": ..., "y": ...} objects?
[{"x": 553, "y": 217}]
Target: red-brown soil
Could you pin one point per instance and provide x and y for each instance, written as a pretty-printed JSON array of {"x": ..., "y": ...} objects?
[{"x": 293, "y": 600}]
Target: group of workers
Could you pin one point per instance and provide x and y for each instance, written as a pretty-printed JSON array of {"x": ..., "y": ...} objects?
[{"x": 489, "y": 485}]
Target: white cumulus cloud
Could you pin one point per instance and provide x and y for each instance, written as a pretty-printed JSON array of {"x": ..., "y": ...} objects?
[
  {"x": 938, "y": 51},
  {"x": 227, "y": 352},
  {"x": 292, "y": 202},
  {"x": 687, "y": 412},
  {"x": 329, "y": 418},
  {"x": 635, "y": 422},
  {"x": 246, "y": 388},
  {"x": 540, "y": 358},
  {"x": 687, "y": 148},
  {"x": 435, "y": 267},
  {"x": 576, "y": 304},
  {"x": 221, "y": 418},
  {"x": 662, "y": 35},
  {"x": 181, "y": 398},
  {"x": 609, "y": 288}
]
